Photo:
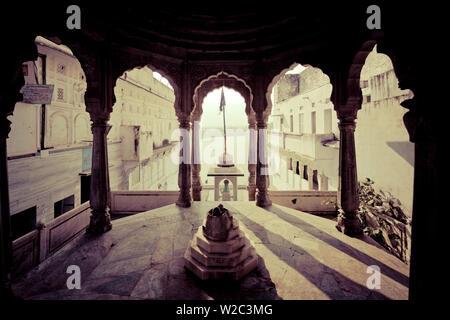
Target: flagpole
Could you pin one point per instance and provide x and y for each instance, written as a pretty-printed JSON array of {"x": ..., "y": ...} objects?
[{"x": 224, "y": 130}]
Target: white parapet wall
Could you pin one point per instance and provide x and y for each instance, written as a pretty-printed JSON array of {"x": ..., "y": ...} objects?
[
  {"x": 315, "y": 202},
  {"x": 130, "y": 202},
  {"x": 39, "y": 244}
]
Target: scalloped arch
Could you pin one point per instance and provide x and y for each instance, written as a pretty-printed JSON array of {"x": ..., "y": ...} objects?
[{"x": 215, "y": 81}]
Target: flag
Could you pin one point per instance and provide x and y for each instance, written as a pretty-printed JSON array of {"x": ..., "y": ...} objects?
[{"x": 222, "y": 101}]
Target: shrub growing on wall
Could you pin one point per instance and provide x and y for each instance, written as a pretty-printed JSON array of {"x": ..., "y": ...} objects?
[{"x": 384, "y": 220}]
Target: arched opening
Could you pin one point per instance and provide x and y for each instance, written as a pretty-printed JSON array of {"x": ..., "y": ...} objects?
[
  {"x": 142, "y": 140},
  {"x": 50, "y": 140},
  {"x": 302, "y": 128},
  {"x": 226, "y": 190},
  {"x": 212, "y": 142},
  {"x": 385, "y": 156},
  {"x": 208, "y": 131}
]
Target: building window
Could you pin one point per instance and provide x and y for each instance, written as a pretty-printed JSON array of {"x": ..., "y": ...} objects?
[
  {"x": 85, "y": 188},
  {"x": 64, "y": 205},
  {"x": 315, "y": 180},
  {"x": 364, "y": 84},
  {"x": 297, "y": 169},
  {"x": 367, "y": 99},
  {"x": 60, "y": 94},
  {"x": 290, "y": 163},
  {"x": 300, "y": 123},
  {"x": 23, "y": 222},
  {"x": 292, "y": 123},
  {"x": 313, "y": 122},
  {"x": 305, "y": 172},
  {"x": 327, "y": 121}
]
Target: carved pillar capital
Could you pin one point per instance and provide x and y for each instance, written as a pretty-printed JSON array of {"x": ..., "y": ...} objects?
[
  {"x": 347, "y": 113},
  {"x": 261, "y": 121},
  {"x": 184, "y": 122}
]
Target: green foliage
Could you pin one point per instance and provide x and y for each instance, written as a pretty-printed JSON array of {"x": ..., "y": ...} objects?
[
  {"x": 382, "y": 218},
  {"x": 379, "y": 202},
  {"x": 374, "y": 210}
]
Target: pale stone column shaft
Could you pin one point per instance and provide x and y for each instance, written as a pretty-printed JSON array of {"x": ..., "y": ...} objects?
[
  {"x": 196, "y": 165},
  {"x": 252, "y": 161},
  {"x": 184, "y": 167},
  {"x": 262, "y": 169}
]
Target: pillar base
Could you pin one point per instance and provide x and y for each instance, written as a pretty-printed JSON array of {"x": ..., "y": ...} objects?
[
  {"x": 184, "y": 201},
  {"x": 349, "y": 224},
  {"x": 263, "y": 200},
  {"x": 197, "y": 193},
  {"x": 100, "y": 223}
]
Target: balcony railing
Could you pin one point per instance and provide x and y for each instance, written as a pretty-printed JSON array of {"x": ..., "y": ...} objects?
[
  {"x": 315, "y": 202},
  {"x": 131, "y": 202},
  {"x": 39, "y": 244}
]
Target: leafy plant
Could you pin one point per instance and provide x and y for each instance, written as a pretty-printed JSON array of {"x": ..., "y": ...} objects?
[
  {"x": 380, "y": 202},
  {"x": 382, "y": 218},
  {"x": 375, "y": 208}
]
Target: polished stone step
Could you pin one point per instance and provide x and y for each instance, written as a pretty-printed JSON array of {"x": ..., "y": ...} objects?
[
  {"x": 220, "y": 259},
  {"x": 226, "y": 247},
  {"x": 221, "y": 273}
]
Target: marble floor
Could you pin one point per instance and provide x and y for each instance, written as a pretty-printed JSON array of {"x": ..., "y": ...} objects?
[{"x": 301, "y": 256}]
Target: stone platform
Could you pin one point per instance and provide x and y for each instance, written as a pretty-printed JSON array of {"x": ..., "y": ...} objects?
[{"x": 300, "y": 256}]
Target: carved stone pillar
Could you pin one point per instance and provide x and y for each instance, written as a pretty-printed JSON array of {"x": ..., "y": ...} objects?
[
  {"x": 184, "y": 168},
  {"x": 262, "y": 169},
  {"x": 348, "y": 197},
  {"x": 196, "y": 165},
  {"x": 99, "y": 195},
  {"x": 252, "y": 160}
]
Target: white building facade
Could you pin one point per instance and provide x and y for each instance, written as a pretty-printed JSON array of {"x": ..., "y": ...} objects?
[
  {"x": 50, "y": 146},
  {"x": 304, "y": 125}
]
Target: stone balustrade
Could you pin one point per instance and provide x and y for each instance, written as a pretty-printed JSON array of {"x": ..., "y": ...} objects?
[{"x": 39, "y": 244}]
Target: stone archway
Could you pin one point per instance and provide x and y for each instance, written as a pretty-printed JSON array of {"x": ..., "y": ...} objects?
[{"x": 207, "y": 85}]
